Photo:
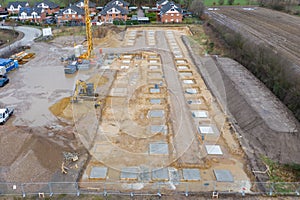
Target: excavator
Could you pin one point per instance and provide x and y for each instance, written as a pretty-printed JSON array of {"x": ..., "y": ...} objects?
[{"x": 83, "y": 89}]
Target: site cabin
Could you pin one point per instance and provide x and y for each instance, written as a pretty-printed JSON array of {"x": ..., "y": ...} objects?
[
  {"x": 32, "y": 14},
  {"x": 170, "y": 13},
  {"x": 72, "y": 14},
  {"x": 5, "y": 113},
  {"x": 9, "y": 64},
  {"x": 48, "y": 7}
]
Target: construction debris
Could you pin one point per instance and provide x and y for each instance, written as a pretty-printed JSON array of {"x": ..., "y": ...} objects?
[{"x": 68, "y": 156}]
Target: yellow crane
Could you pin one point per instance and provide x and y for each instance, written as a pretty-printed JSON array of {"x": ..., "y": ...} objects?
[{"x": 88, "y": 31}]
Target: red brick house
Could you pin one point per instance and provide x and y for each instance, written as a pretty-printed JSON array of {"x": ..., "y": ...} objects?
[
  {"x": 31, "y": 14},
  {"x": 48, "y": 7},
  {"x": 161, "y": 3},
  {"x": 71, "y": 14},
  {"x": 170, "y": 13},
  {"x": 92, "y": 6},
  {"x": 121, "y": 3},
  {"x": 114, "y": 10},
  {"x": 14, "y": 7}
]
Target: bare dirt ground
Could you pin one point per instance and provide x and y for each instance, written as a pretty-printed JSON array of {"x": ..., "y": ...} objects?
[
  {"x": 277, "y": 29},
  {"x": 117, "y": 134}
]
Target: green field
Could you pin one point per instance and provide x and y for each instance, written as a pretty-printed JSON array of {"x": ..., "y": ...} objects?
[{"x": 236, "y": 2}]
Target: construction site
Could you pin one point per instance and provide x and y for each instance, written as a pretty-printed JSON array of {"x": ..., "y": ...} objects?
[{"x": 145, "y": 112}]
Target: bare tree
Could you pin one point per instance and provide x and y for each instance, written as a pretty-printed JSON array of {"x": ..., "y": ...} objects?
[{"x": 197, "y": 7}]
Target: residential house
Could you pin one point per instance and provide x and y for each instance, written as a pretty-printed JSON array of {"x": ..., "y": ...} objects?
[
  {"x": 170, "y": 13},
  {"x": 161, "y": 3},
  {"x": 113, "y": 12},
  {"x": 14, "y": 7},
  {"x": 72, "y": 14},
  {"x": 31, "y": 14},
  {"x": 120, "y": 3},
  {"x": 92, "y": 6},
  {"x": 3, "y": 13},
  {"x": 49, "y": 7}
]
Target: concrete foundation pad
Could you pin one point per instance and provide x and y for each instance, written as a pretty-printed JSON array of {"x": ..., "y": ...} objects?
[
  {"x": 191, "y": 91},
  {"x": 213, "y": 150},
  {"x": 185, "y": 74},
  {"x": 129, "y": 173},
  {"x": 156, "y": 113},
  {"x": 206, "y": 129},
  {"x": 188, "y": 81},
  {"x": 158, "y": 148},
  {"x": 145, "y": 174},
  {"x": 98, "y": 173},
  {"x": 199, "y": 113},
  {"x": 153, "y": 67},
  {"x": 158, "y": 129},
  {"x": 160, "y": 174},
  {"x": 223, "y": 175},
  {"x": 182, "y": 67},
  {"x": 191, "y": 174},
  {"x": 154, "y": 90},
  {"x": 155, "y": 101},
  {"x": 194, "y": 101}
]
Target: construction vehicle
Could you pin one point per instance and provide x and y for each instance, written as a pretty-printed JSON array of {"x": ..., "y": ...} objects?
[
  {"x": 83, "y": 89},
  {"x": 71, "y": 68},
  {"x": 88, "y": 31},
  {"x": 3, "y": 77},
  {"x": 5, "y": 113}
]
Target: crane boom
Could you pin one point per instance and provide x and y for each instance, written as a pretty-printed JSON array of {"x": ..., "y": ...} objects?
[{"x": 88, "y": 30}]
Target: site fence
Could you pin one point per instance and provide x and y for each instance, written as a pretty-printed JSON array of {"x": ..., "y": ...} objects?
[{"x": 242, "y": 188}]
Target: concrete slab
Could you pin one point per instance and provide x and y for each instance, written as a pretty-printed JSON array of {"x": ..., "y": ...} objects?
[
  {"x": 153, "y": 61},
  {"x": 158, "y": 129},
  {"x": 153, "y": 67},
  {"x": 185, "y": 74},
  {"x": 191, "y": 174},
  {"x": 206, "y": 129},
  {"x": 194, "y": 101},
  {"x": 188, "y": 81},
  {"x": 154, "y": 90},
  {"x": 145, "y": 174},
  {"x": 126, "y": 61},
  {"x": 124, "y": 67},
  {"x": 129, "y": 173},
  {"x": 199, "y": 113},
  {"x": 160, "y": 174},
  {"x": 223, "y": 175},
  {"x": 182, "y": 67},
  {"x": 191, "y": 91},
  {"x": 127, "y": 56},
  {"x": 158, "y": 148},
  {"x": 180, "y": 61},
  {"x": 155, "y": 101},
  {"x": 156, "y": 113},
  {"x": 213, "y": 150},
  {"x": 98, "y": 173}
]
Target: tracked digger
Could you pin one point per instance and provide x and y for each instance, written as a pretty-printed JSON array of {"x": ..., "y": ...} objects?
[{"x": 83, "y": 89}]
